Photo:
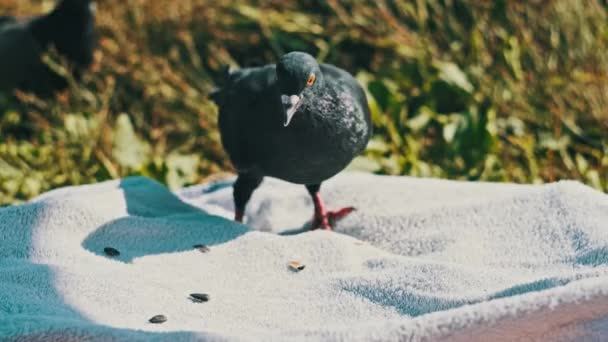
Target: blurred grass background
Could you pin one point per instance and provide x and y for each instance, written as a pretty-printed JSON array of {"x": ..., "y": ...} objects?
[{"x": 490, "y": 90}]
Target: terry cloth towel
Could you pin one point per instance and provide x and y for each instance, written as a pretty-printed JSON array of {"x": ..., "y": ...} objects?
[{"x": 420, "y": 259}]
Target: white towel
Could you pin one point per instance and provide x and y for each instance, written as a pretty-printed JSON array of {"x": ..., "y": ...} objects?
[{"x": 420, "y": 259}]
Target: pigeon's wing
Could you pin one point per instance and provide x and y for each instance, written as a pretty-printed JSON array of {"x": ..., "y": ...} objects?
[
  {"x": 240, "y": 100},
  {"x": 345, "y": 79},
  {"x": 216, "y": 94},
  {"x": 341, "y": 79}
]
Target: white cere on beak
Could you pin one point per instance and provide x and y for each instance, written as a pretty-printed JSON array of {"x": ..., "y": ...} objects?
[{"x": 291, "y": 104}]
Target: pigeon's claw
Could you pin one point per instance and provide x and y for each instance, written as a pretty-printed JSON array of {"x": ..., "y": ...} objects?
[{"x": 328, "y": 219}]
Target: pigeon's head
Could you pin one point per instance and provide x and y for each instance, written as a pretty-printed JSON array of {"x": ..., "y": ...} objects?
[{"x": 298, "y": 73}]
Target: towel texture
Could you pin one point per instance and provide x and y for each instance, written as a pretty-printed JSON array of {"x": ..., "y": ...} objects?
[{"x": 420, "y": 259}]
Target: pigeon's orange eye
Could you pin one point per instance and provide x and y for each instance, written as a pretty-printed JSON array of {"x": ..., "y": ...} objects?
[{"x": 311, "y": 80}]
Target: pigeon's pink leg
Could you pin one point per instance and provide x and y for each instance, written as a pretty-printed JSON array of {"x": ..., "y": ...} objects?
[
  {"x": 323, "y": 218},
  {"x": 244, "y": 186},
  {"x": 238, "y": 216}
]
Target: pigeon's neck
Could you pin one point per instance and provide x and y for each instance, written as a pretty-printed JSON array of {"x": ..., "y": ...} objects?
[{"x": 278, "y": 115}]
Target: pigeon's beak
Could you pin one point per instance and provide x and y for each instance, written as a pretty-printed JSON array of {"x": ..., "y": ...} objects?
[{"x": 291, "y": 105}]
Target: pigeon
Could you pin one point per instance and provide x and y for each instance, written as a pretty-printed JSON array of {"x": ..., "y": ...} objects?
[
  {"x": 298, "y": 120},
  {"x": 69, "y": 27}
]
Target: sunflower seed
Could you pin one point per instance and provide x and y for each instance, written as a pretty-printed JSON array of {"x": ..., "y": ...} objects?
[
  {"x": 202, "y": 248},
  {"x": 201, "y": 297},
  {"x": 158, "y": 319},
  {"x": 111, "y": 251},
  {"x": 296, "y": 265}
]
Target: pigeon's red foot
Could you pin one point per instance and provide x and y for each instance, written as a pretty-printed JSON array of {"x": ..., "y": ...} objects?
[
  {"x": 323, "y": 218},
  {"x": 327, "y": 219}
]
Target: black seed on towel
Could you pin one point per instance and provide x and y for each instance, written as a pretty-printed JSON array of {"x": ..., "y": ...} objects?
[
  {"x": 202, "y": 248},
  {"x": 111, "y": 251},
  {"x": 158, "y": 319},
  {"x": 202, "y": 297}
]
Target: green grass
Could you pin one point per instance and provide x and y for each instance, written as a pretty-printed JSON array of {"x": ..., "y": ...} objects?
[{"x": 510, "y": 91}]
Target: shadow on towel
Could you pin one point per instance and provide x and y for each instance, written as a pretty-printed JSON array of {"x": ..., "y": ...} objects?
[{"x": 158, "y": 222}]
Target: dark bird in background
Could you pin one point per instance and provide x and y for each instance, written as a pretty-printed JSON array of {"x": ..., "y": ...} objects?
[
  {"x": 70, "y": 28},
  {"x": 297, "y": 121}
]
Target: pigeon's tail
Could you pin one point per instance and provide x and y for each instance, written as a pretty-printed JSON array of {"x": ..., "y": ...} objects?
[
  {"x": 5, "y": 19},
  {"x": 217, "y": 95}
]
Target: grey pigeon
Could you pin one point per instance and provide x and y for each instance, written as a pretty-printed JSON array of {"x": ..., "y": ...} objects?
[
  {"x": 70, "y": 28},
  {"x": 298, "y": 120}
]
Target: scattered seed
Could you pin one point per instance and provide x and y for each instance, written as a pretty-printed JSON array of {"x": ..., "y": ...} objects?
[
  {"x": 202, "y": 248},
  {"x": 296, "y": 265},
  {"x": 201, "y": 297},
  {"x": 158, "y": 319},
  {"x": 111, "y": 251}
]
